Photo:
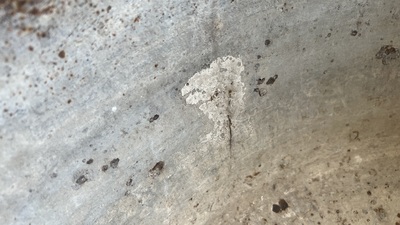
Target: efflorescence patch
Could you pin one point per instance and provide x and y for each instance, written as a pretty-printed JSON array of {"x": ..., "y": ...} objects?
[{"x": 219, "y": 92}]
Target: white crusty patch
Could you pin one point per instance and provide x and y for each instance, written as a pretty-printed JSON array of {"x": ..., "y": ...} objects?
[{"x": 219, "y": 92}]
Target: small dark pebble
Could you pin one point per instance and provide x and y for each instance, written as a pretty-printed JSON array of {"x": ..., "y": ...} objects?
[
  {"x": 272, "y": 80},
  {"x": 283, "y": 204},
  {"x": 104, "y": 168},
  {"x": 353, "y": 33},
  {"x": 90, "y": 161},
  {"x": 81, "y": 180},
  {"x": 276, "y": 208},
  {"x": 114, "y": 163},
  {"x": 369, "y": 193},
  {"x": 154, "y": 118}
]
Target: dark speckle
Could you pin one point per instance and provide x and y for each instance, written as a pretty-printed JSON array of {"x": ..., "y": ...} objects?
[
  {"x": 114, "y": 163},
  {"x": 69, "y": 101},
  {"x": 61, "y": 54},
  {"x": 30, "y": 48},
  {"x": 353, "y": 33},
  {"x": 104, "y": 168},
  {"x": 90, "y": 161},
  {"x": 53, "y": 175},
  {"x": 267, "y": 42},
  {"x": 108, "y": 8},
  {"x": 369, "y": 193},
  {"x": 272, "y": 80},
  {"x": 81, "y": 180},
  {"x": 129, "y": 182},
  {"x": 154, "y": 118},
  {"x": 156, "y": 170},
  {"x": 283, "y": 204},
  {"x": 137, "y": 19},
  {"x": 276, "y": 208},
  {"x": 260, "y": 81}
]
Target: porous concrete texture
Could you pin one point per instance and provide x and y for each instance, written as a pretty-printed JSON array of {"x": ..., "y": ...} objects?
[{"x": 200, "y": 112}]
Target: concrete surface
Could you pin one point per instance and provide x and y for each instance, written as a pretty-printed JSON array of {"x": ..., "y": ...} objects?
[{"x": 200, "y": 112}]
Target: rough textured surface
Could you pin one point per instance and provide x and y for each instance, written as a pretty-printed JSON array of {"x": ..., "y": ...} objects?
[{"x": 94, "y": 128}]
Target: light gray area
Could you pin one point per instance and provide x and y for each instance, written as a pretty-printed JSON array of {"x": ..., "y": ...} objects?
[{"x": 83, "y": 80}]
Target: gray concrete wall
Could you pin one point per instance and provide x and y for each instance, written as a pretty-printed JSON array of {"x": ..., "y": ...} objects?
[{"x": 199, "y": 112}]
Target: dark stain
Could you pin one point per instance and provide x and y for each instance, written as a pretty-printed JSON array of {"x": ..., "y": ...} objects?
[
  {"x": 114, "y": 163},
  {"x": 398, "y": 215},
  {"x": 30, "y": 48},
  {"x": 369, "y": 193},
  {"x": 53, "y": 175},
  {"x": 137, "y": 19},
  {"x": 381, "y": 213},
  {"x": 276, "y": 208},
  {"x": 272, "y": 80},
  {"x": 69, "y": 101},
  {"x": 283, "y": 204},
  {"x": 104, "y": 168},
  {"x": 354, "y": 33},
  {"x": 81, "y": 180},
  {"x": 387, "y": 53},
  {"x": 61, "y": 54},
  {"x": 154, "y": 118},
  {"x": 258, "y": 56},
  {"x": 195, "y": 206},
  {"x": 260, "y": 81},
  {"x": 156, "y": 170},
  {"x": 90, "y": 161},
  {"x": 267, "y": 42},
  {"x": 108, "y": 9}
]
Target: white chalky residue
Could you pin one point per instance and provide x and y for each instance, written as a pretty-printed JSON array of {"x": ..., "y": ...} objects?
[{"x": 219, "y": 92}]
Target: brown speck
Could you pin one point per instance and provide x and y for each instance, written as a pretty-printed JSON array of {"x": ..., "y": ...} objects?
[
  {"x": 276, "y": 208},
  {"x": 137, "y": 19},
  {"x": 114, "y": 163},
  {"x": 81, "y": 180},
  {"x": 61, "y": 54},
  {"x": 69, "y": 101},
  {"x": 30, "y": 48},
  {"x": 104, "y": 168},
  {"x": 155, "y": 65},
  {"x": 283, "y": 204},
  {"x": 90, "y": 161},
  {"x": 369, "y": 193}
]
